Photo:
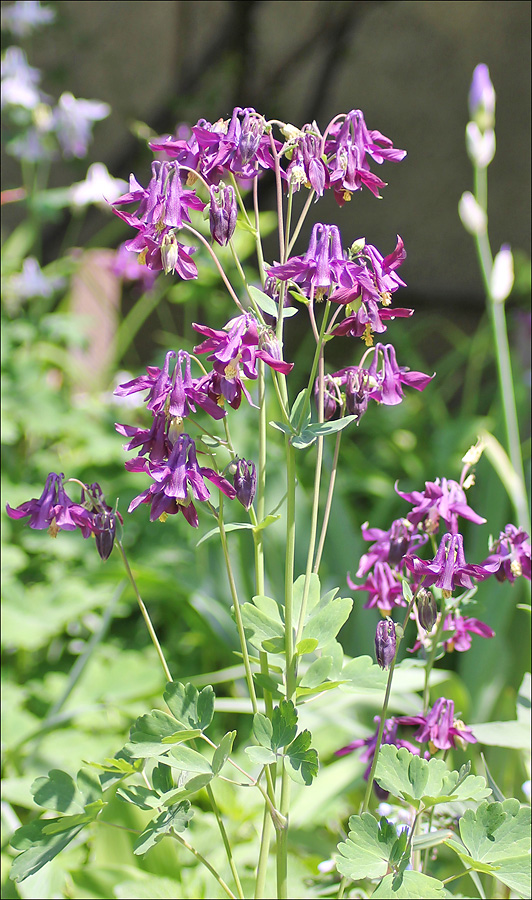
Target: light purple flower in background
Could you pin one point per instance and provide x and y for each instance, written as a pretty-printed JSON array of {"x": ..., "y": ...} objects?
[
  {"x": 463, "y": 628},
  {"x": 443, "y": 499},
  {"x": 32, "y": 282},
  {"x": 449, "y": 569},
  {"x": 390, "y": 546},
  {"x": 26, "y": 16},
  {"x": 73, "y": 120},
  {"x": 389, "y": 736},
  {"x": 99, "y": 187},
  {"x": 383, "y": 587},
  {"x": 127, "y": 266},
  {"x": 512, "y": 549},
  {"x": 439, "y": 727},
  {"x": 19, "y": 80}
]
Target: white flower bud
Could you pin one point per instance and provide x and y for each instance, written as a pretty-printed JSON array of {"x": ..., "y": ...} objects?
[
  {"x": 502, "y": 274},
  {"x": 472, "y": 216}
]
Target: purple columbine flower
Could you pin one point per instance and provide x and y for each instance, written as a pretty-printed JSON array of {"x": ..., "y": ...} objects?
[
  {"x": 163, "y": 202},
  {"x": 442, "y": 499},
  {"x": 53, "y": 510},
  {"x": 383, "y": 587},
  {"x": 349, "y": 143},
  {"x": 178, "y": 481},
  {"x": 321, "y": 267},
  {"x": 239, "y": 146},
  {"x": 462, "y": 628},
  {"x": 389, "y": 736},
  {"x": 306, "y": 165},
  {"x": 439, "y": 727},
  {"x": 152, "y": 441},
  {"x": 513, "y": 550},
  {"x": 390, "y": 546},
  {"x": 237, "y": 345},
  {"x": 449, "y": 569},
  {"x": 390, "y": 377},
  {"x": 223, "y": 213}
]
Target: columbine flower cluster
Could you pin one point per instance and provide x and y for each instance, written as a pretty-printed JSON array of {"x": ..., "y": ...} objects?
[{"x": 392, "y": 557}]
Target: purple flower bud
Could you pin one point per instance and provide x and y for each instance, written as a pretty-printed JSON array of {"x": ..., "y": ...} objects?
[
  {"x": 385, "y": 642},
  {"x": 252, "y": 131},
  {"x": 482, "y": 98},
  {"x": 223, "y": 213},
  {"x": 356, "y": 396},
  {"x": 427, "y": 609},
  {"x": 245, "y": 482},
  {"x": 331, "y": 396},
  {"x": 104, "y": 533}
]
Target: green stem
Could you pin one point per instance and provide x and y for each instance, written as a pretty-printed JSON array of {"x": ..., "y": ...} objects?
[
  {"x": 207, "y": 864},
  {"x": 432, "y": 656},
  {"x": 145, "y": 614},
  {"x": 328, "y": 503},
  {"x": 497, "y": 314},
  {"x": 371, "y": 776},
  {"x": 312, "y": 376}
]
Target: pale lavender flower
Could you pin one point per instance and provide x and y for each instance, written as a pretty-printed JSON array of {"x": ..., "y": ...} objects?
[
  {"x": 19, "y": 80},
  {"x": 26, "y": 16},
  {"x": 32, "y": 282},
  {"x": 73, "y": 120},
  {"x": 99, "y": 187}
]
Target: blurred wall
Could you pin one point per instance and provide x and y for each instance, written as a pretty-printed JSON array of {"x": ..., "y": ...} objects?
[{"x": 407, "y": 65}]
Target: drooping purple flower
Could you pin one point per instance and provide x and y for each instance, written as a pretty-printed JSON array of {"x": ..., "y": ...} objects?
[
  {"x": 163, "y": 202},
  {"x": 449, "y": 569},
  {"x": 383, "y": 587},
  {"x": 332, "y": 399},
  {"x": 152, "y": 441},
  {"x": 443, "y": 499},
  {"x": 390, "y": 546},
  {"x": 389, "y": 736},
  {"x": 513, "y": 550},
  {"x": 239, "y": 145},
  {"x": 178, "y": 481},
  {"x": 349, "y": 143},
  {"x": 53, "y": 510},
  {"x": 463, "y": 627},
  {"x": 438, "y": 727},
  {"x": 237, "y": 346},
  {"x": 390, "y": 377},
  {"x": 321, "y": 267},
  {"x": 306, "y": 164}
]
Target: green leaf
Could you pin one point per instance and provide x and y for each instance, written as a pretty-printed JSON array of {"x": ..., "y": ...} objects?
[
  {"x": 192, "y": 786},
  {"x": 498, "y": 834},
  {"x": 407, "y": 592},
  {"x": 38, "y": 846},
  {"x": 140, "y": 796},
  {"x": 367, "y": 850},
  {"x": 284, "y": 724},
  {"x": 325, "y": 624},
  {"x": 188, "y": 734},
  {"x": 280, "y": 426},
  {"x": 306, "y": 646},
  {"x": 161, "y": 778},
  {"x": 192, "y": 708},
  {"x": 424, "y": 782},
  {"x": 301, "y": 763},
  {"x": 57, "y": 791},
  {"x": 175, "y": 818},
  {"x": 261, "y": 755},
  {"x": 231, "y": 526},
  {"x": 304, "y": 439},
  {"x": 268, "y": 520},
  {"x": 317, "y": 672},
  {"x": 295, "y": 412},
  {"x": 189, "y": 760},
  {"x": 222, "y": 751},
  {"x": 313, "y": 598},
  {"x": 289, "y": 311},
  {"x": 495, "y": 790},
  {"x": 411, "y": 885},
  {"x": 152, "y": 727},
  {"x": 264, "y": 301},
  {"x": 323, "y": 428},
  {"x": 274, "y": 645},
  {"x": 262, "y": 730},
  {"x": 262, "y": 620},
  {"x": 268, "y": 683}
]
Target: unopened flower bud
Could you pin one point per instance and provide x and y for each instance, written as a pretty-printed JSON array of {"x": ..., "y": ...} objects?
[
  {"x": 482, "y": 98},
  {"x": 472, "y": 216},
  {"x": 480, "y": 145},
  {"x": 223, "y": 213},
  {"x": 502, "y": 274},
  {"x": 268, "y": 342},
  {"x": 331, "y": 396},
  {"x": 245, "y": 482},
  {"x": 385, "y": 642},
  {"x": 105, "y": 524},
  {"x": 474, "y": 453},
  {"x": 356, "y": 397},
  {"x": 252, "y": 131},
  {"x": 426, "y": 609},
  {"x": 357, "y": 247},
  {"x": 169, "y": 252}
]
